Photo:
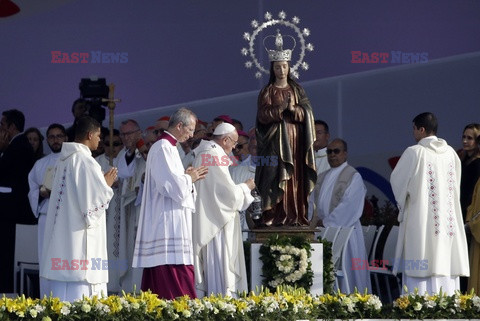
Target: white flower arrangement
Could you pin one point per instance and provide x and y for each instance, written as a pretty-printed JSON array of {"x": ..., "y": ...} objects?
[{"x": 286, "y": 261}]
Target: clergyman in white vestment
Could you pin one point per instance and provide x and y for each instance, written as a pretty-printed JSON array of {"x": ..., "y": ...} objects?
[
  {"x": 339, "y": 197},
  {"x": 432, "y": 248},
  {"x": 74, "y": 255},
  {"x": 40, "y": 181},
  {"x": 217, "y": 234},
  {"x": 163, "y": 245}
]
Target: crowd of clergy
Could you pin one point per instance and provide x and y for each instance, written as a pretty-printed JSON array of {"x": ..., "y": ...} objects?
[{"x": 165, "y": 208}]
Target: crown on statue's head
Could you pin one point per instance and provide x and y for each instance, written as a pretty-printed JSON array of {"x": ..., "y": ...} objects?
[{"x": 279, "y": 54}]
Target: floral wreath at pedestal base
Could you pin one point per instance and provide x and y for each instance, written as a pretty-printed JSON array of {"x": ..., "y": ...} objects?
[{"x": 286, "y": 261}]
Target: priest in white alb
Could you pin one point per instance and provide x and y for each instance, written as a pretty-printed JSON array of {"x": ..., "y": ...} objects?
[
  {"x": 426, "y": 185},
  {"x": 339, "y": 198},
  {"x": 217, "y": 234},
  {"x": 75, "y": 259},
  {"x": 163, "y": 246},
  {"x": 40, "y": 181}
]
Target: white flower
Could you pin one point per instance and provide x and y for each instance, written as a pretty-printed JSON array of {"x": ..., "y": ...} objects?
[
  {"x": 186, "y": 313},
  {"x": 476, "y": 302},
  {"x": 65, "y": 310},
  {"x": 86, "y": 307},
  {"x": 430, "y": 304},
  {"x": 417, "y": 306},
  {"x": 33, "y": 313},
  {"x": 39, "y": 308},
  {"x": 375, "y": 302}
]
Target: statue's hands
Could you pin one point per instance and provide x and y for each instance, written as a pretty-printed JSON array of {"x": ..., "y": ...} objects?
[{"x": 291, "y": 107}]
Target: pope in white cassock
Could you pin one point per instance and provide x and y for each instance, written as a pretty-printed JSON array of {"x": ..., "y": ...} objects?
[
  {"x": 217, "y": 235},
  {"x": 426, "y": 185},
  {"x": 75, "y": 247},
  {"x": 339, "y": 197},
  {"x": 40, "y": 183},
  {"x": 163, "y": 245}
]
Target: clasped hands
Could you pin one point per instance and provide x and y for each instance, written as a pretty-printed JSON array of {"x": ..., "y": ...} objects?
[{"x": 287, "y": 104}]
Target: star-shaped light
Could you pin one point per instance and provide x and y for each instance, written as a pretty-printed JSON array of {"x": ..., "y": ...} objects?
[
  {"x": 309, "y": 47},
  {"x": 306, "y": 32},
  {"x": 268, "y": 16},
  {"x": 246, "y": 36},
  {"x": 248, "y": 64},
  {"x": 258, "y": 75},
  {"x": 254, "y": 24},
  {"x": 282, "y": 15},
  {"x": 305, "y": 65},
  {"x": 296, "y": 20}
]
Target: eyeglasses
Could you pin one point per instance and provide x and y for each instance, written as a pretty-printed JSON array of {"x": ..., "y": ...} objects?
[
  {"x": 129, "y": 133},
  {"x": 52, "y": 137},
  {"x": 115, "y": 144},
  {"x": 235, "y": 142},
  {"x": 336, "y": 151},
  {"x": 239, "y": 146}
]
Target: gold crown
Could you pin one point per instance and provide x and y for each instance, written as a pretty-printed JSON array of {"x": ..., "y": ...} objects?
[{"x": 279, "y": 54}]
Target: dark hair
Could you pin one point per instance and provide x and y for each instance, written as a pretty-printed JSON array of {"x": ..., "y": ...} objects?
[
  {"x": 236, "y": 121},
  {"x": 324, "y": 124},
  {"x": 39, "y": 152},
  {"x": 55, "y": 125},
  {"x": 271, "y": 80},
  {"x": 428, "y": 121},
  {"x": 85, "y": 125},
  {"x": 79, "y": 101},
  {"x": 116, "y": 132},
  {"x": 16, "y": 117}
]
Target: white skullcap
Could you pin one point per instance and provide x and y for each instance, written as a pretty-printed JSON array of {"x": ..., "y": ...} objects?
[{"x": 224, "y": 128}]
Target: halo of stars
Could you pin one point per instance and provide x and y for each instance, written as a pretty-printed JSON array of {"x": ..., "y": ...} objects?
[{"x": 270, "y": 22}]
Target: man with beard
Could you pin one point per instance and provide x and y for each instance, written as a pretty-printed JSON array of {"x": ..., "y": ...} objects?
[{"x": 40, "y": 182}]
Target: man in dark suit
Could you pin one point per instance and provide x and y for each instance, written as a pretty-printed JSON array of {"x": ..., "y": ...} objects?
[{"x": 16, "y": 161}]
